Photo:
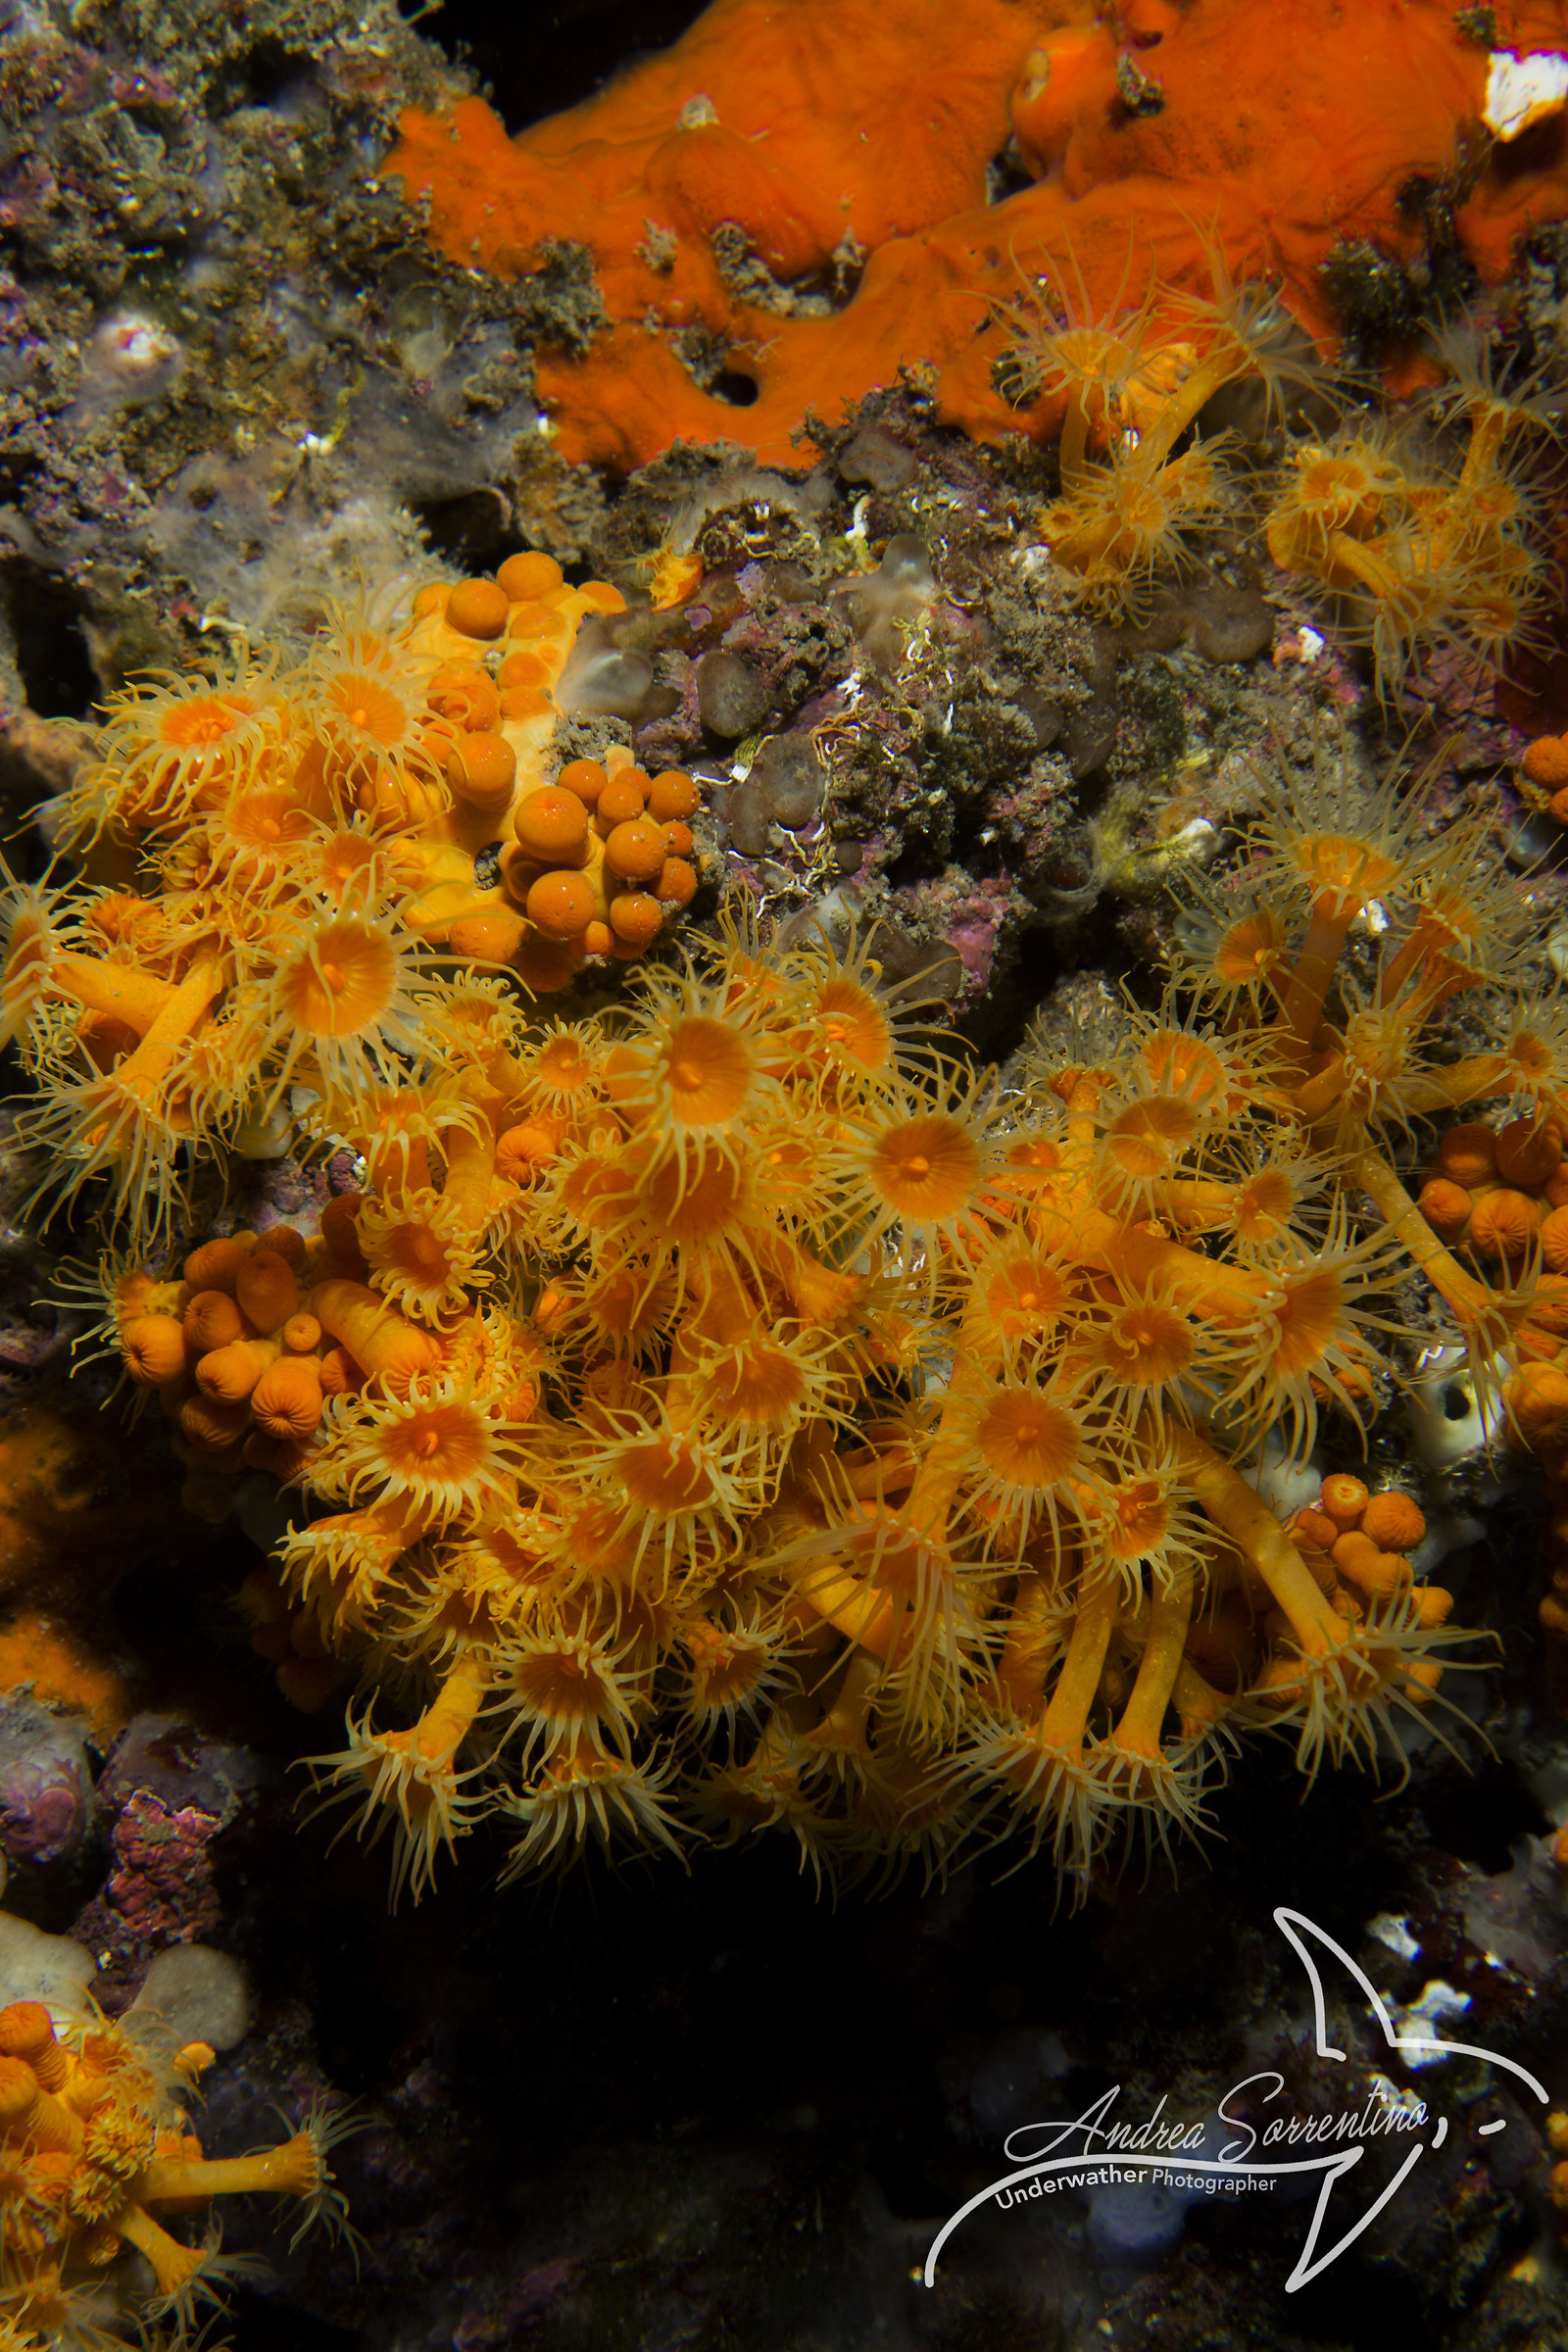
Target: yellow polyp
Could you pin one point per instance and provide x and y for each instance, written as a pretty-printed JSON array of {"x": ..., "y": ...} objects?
[
  {"x": 471, "y": 1170},
  {"x": 117, "y": 991},
  {"x": 1137, "y": 1728},
  {"x": 1333, "y": 913},
  {"x": 862, "y": 1613},
  {"x": 174, "y": 2266},
  {"x": 449, "y": 1717},
  {"x": 1031, "y": 1647},
  {"x": 1470, "y": 1298},
  {"x": 1066, "y": 1717},
  {"x": 292, "y": 2169},
  {"x": 1235, "y": 1508}
]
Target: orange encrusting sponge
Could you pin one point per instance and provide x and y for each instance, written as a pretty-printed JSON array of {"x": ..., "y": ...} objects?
[{"x": 1263, "y": 131}]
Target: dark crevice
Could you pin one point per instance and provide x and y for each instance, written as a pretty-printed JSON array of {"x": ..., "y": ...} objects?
[
  {"x": 541, "y": 60},
  {"x": 52, "y": 653},
  {"x": 468, "y": 532},
  {"x": 737, "y": 391}
]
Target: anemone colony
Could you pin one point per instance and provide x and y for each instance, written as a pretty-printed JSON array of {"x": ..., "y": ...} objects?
[
  {"x": 97, "y": 2155},
  {"x": 1413, "y": 540},
  {"x": 731, "y": 1412}
]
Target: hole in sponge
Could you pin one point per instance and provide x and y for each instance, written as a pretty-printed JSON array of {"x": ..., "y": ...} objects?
[{"x": 737, "y": 391}]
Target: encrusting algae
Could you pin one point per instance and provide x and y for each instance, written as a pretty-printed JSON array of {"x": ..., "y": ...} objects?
[{"x": 730, "y": 1410}]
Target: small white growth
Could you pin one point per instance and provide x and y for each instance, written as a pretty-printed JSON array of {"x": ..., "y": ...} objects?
[
  {"x": 1391, "y": 2095},
  {"x": 134, "y": 346},
  {"x": 1444, "y": 1416},
  {"x": 1396, "y": 1933},
  {"x": 1311, "y": 646},
  {"x": 129, "y": 359},
  {"x": 191, "y": 1994},
  {"x": 1198, "y": 839},
  {"x": 1523, "y": 91},
  {"x": 36, "y": 1966},
  {"x": 1425, "y": 2015},
  {"x": 1282, "y": 1483}
]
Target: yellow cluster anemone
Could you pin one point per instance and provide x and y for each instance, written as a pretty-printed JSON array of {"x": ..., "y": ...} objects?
[
  {"x": 734, "y": 1411},
  {"x": 278, "y": 863},
  {"x": 97, "y": 2158},
  {"x": 1417, "y": 535}
]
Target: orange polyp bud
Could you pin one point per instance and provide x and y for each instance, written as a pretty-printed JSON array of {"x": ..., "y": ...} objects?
[
  {"x": 673, "y": 797},
  {"x": 585, "y": 777},
  {"x": 523, "y": 1149},
  {"x": 285, "y": 1242},
  {"x": 620, "y": 802},
  {"x": 1446, "y": 1208},
  {"x": 287, "y": 1399},
  {"x": 546, "y": 964},
  {"x": 677, "y": 841},
  {"x": 1316, "y": 1527},
  {"x": 636, "y": 919},
  {"x": 216, "y": 1265},
  {"x": 1537, "y": 1399},
  {"x": 374, "y": 1333},
  {"x": 214, "y": 1422},
  {"x": 19, "y": 2097},
  {"x": 1436, "y": 1604},
  {"x": 1505, "y": 1223},
  {"x": 27, "y": 2031},
  {"x": 561, "y": 905},
  {"x": 482, "y": 771},
  {"x": 1419, "y": 1680},
  {"x": 1555, "y": 1240},
  {"x": 153, "y": 1350},
  {"x": 267, "y": 1290},
  {"x": 636, "y": 851},
  {"x": 523, "y": 673},
  {"x": 462, "y": 693},
  {"x": 603, "y": 596},
  {"x": 552, "y": 825},
  {"x": 596, "y": 939},
  {"x": 228, "y": 1374},
  {"x": 338, "y": 1233},
  {"x": 339, "y": 1374},
  {"x": 1371, "y": 1570},
  {"x": 301, "y": 1335},
  {"x": 1394, "y": 1522},
  {"x": 1558, "y": 804},
  {"x": 536, "y": 617},
  {"x": 1545, "y": 760},
  {"x": 525, "y": 577},
  {"x": 477, "y": 608},
  {"x": 677, "y": 883},
  {"x": 431, "y": 599},
  {"x": 493, "y": 938},
  {"x": 1468, "y": 1154},
  {"x": 1529, "y": 1150},
  {"x": 212, "y": 1320},
  {"x": 1344, "y": 1499}
]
